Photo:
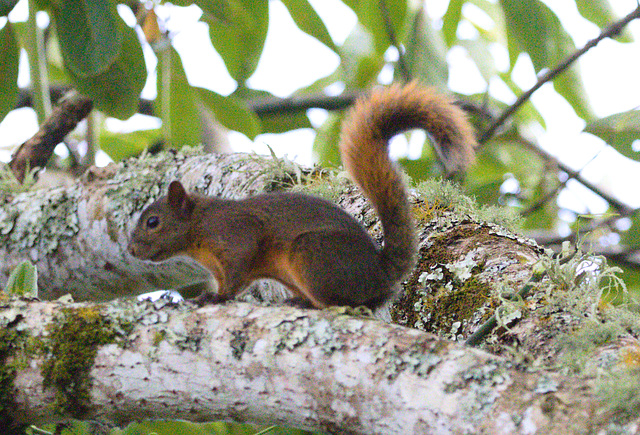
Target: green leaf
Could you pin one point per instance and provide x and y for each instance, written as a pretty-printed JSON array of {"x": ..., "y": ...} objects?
[
  {"x": 238, "y": 34},
  {"x": 482, "y": 57},
  {"x": 451, "y": 20},
  {"x": 360, "y": 63},
  {"x": 231, "y": 112},
  {"x": 9, "y": 60},
  {"x": 381, "y": 22},
  {"x": 425, "y": 53},
  {"x": 6, "y": 6},
  {"x": 176, "y": 104},
  {"x": 124, "y": 145},
  {"x": 90, "y": 35},
  {"x": 528, "y": 27},
  {"x": 619, "y": 131},
  {"x": 23, "y": 280},
  {"x": 308, "y": 20},
  {"x": 534, "y": 28},
  {"x": 116, "y": 91},
  {"x": 601, "y": 14},
  {"x": 325, "y": 145}
]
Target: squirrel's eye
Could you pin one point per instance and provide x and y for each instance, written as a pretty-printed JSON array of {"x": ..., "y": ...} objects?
[{"x": 153, "y": 222}]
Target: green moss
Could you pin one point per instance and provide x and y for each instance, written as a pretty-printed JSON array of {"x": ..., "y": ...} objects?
[
  {"x": 447, "y": 196},
  {"x": 620, "y": 396},
  {"x": 72, "y": 348},
  {"x": 441, "y": 298},
  {"x": 9, "y": 339}
]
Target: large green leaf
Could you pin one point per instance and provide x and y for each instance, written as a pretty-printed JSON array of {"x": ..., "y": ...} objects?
[
  {"x": 425, "y": 53},
  {"x": 91, "y": 35},
  {"x": 116, "y": 91},
  {"x": 601, "y": 13},
  {"x": 239, "y": 37},
  {"x": 272, "y": 122},
  {"x": 124, "y": 145},
  {"x": 619, "y": 131},
  {"x": 450, "y": 21},
  {"x": 308, "y": 20},
  {"x": 360, "y": 62},
  {"x": 9, "y": 60},
  {"x": 231, "y": 112},
  {"x": 534, "y": 28},
  {"x": 325, "y": 145},
  {"x": 382, "y": 18},
  {"x": 176, "y": 104},
  {"x": 6, "y": 6}
]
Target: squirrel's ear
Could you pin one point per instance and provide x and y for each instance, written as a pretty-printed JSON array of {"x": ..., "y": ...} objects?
[{"x": 179, "y": 199}]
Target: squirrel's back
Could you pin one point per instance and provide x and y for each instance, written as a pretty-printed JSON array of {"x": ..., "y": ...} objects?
[{"x": 364, "y": 146}]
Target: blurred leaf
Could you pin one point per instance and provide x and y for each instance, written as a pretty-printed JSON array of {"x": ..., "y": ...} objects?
[
  {"x": 9, "y": 60},
  {"x": 6, "y": 6},
  {"x": 451, "y": 20},
  {"x": 275, "y": 122},
  {"x": 231, "y": 112},
  {"x": 601, "y": 14},
  {"x": 426, "y": 52},
  {"x": 176, "y": 104},
  {"x": 23, "y": 280},
  {"x": 479, "y": 51},
  {"x": 374, "y": 16},
  {"x": 90, "y": 35},
  {"x": 534, "y": 28},
  {"x": 360, "y": 63},
  {"x": 528, "y": 27},
  {"x": 116, "y": 91},
  {"x": 239, "y": 39},
  {"x": 619, "y": 131},
  {"x": 308, "y": 20},
  {"x": 631, "y": 237},
  {"x": 220, "y": 10},
  {"x": 325, "y": 145},
  {"x": 124, "y": 145},
  {"x": 187, "y": 2}
]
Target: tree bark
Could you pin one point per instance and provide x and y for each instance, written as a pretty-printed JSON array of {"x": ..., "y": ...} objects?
[{"x": 311, "y": 369}]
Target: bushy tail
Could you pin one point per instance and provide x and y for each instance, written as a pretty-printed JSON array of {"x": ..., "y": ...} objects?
[{"x": 364, "y": 146}]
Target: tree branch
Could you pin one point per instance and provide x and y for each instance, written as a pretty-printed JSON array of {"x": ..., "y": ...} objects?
[
  {"x": 610, "y": 31},
  {"x": 35, "y": 152},
  {"x": 310, "y": 369}
]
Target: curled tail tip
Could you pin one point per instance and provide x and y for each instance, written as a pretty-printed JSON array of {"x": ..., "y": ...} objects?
[{"x": 390, "y": 110}]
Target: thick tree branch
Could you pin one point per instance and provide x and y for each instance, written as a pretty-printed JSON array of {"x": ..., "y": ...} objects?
[{"x": 310, "y": 369}]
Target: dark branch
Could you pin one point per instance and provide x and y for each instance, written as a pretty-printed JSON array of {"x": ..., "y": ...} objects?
[
  {"x": 35, "y": 152},
  {"x": 610, "y": 31}
]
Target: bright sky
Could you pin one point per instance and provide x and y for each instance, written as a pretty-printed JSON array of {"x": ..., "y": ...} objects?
[{"x": 292, "y": 60}]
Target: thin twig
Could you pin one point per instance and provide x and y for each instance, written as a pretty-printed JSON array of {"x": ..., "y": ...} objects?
[{"x": 612, "y": 30}]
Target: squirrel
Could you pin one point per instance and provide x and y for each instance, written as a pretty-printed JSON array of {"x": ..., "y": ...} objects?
[{"x": 313, "y": 247}]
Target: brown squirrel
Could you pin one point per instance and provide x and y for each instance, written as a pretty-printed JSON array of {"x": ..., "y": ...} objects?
[{"x": 321, "y": 253}]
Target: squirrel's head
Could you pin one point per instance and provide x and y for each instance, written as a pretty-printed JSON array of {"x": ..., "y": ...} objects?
[{"x": 163, "y": 228}]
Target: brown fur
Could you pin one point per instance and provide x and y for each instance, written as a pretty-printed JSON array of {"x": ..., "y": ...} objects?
[{"x": 313, "y": 247}]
